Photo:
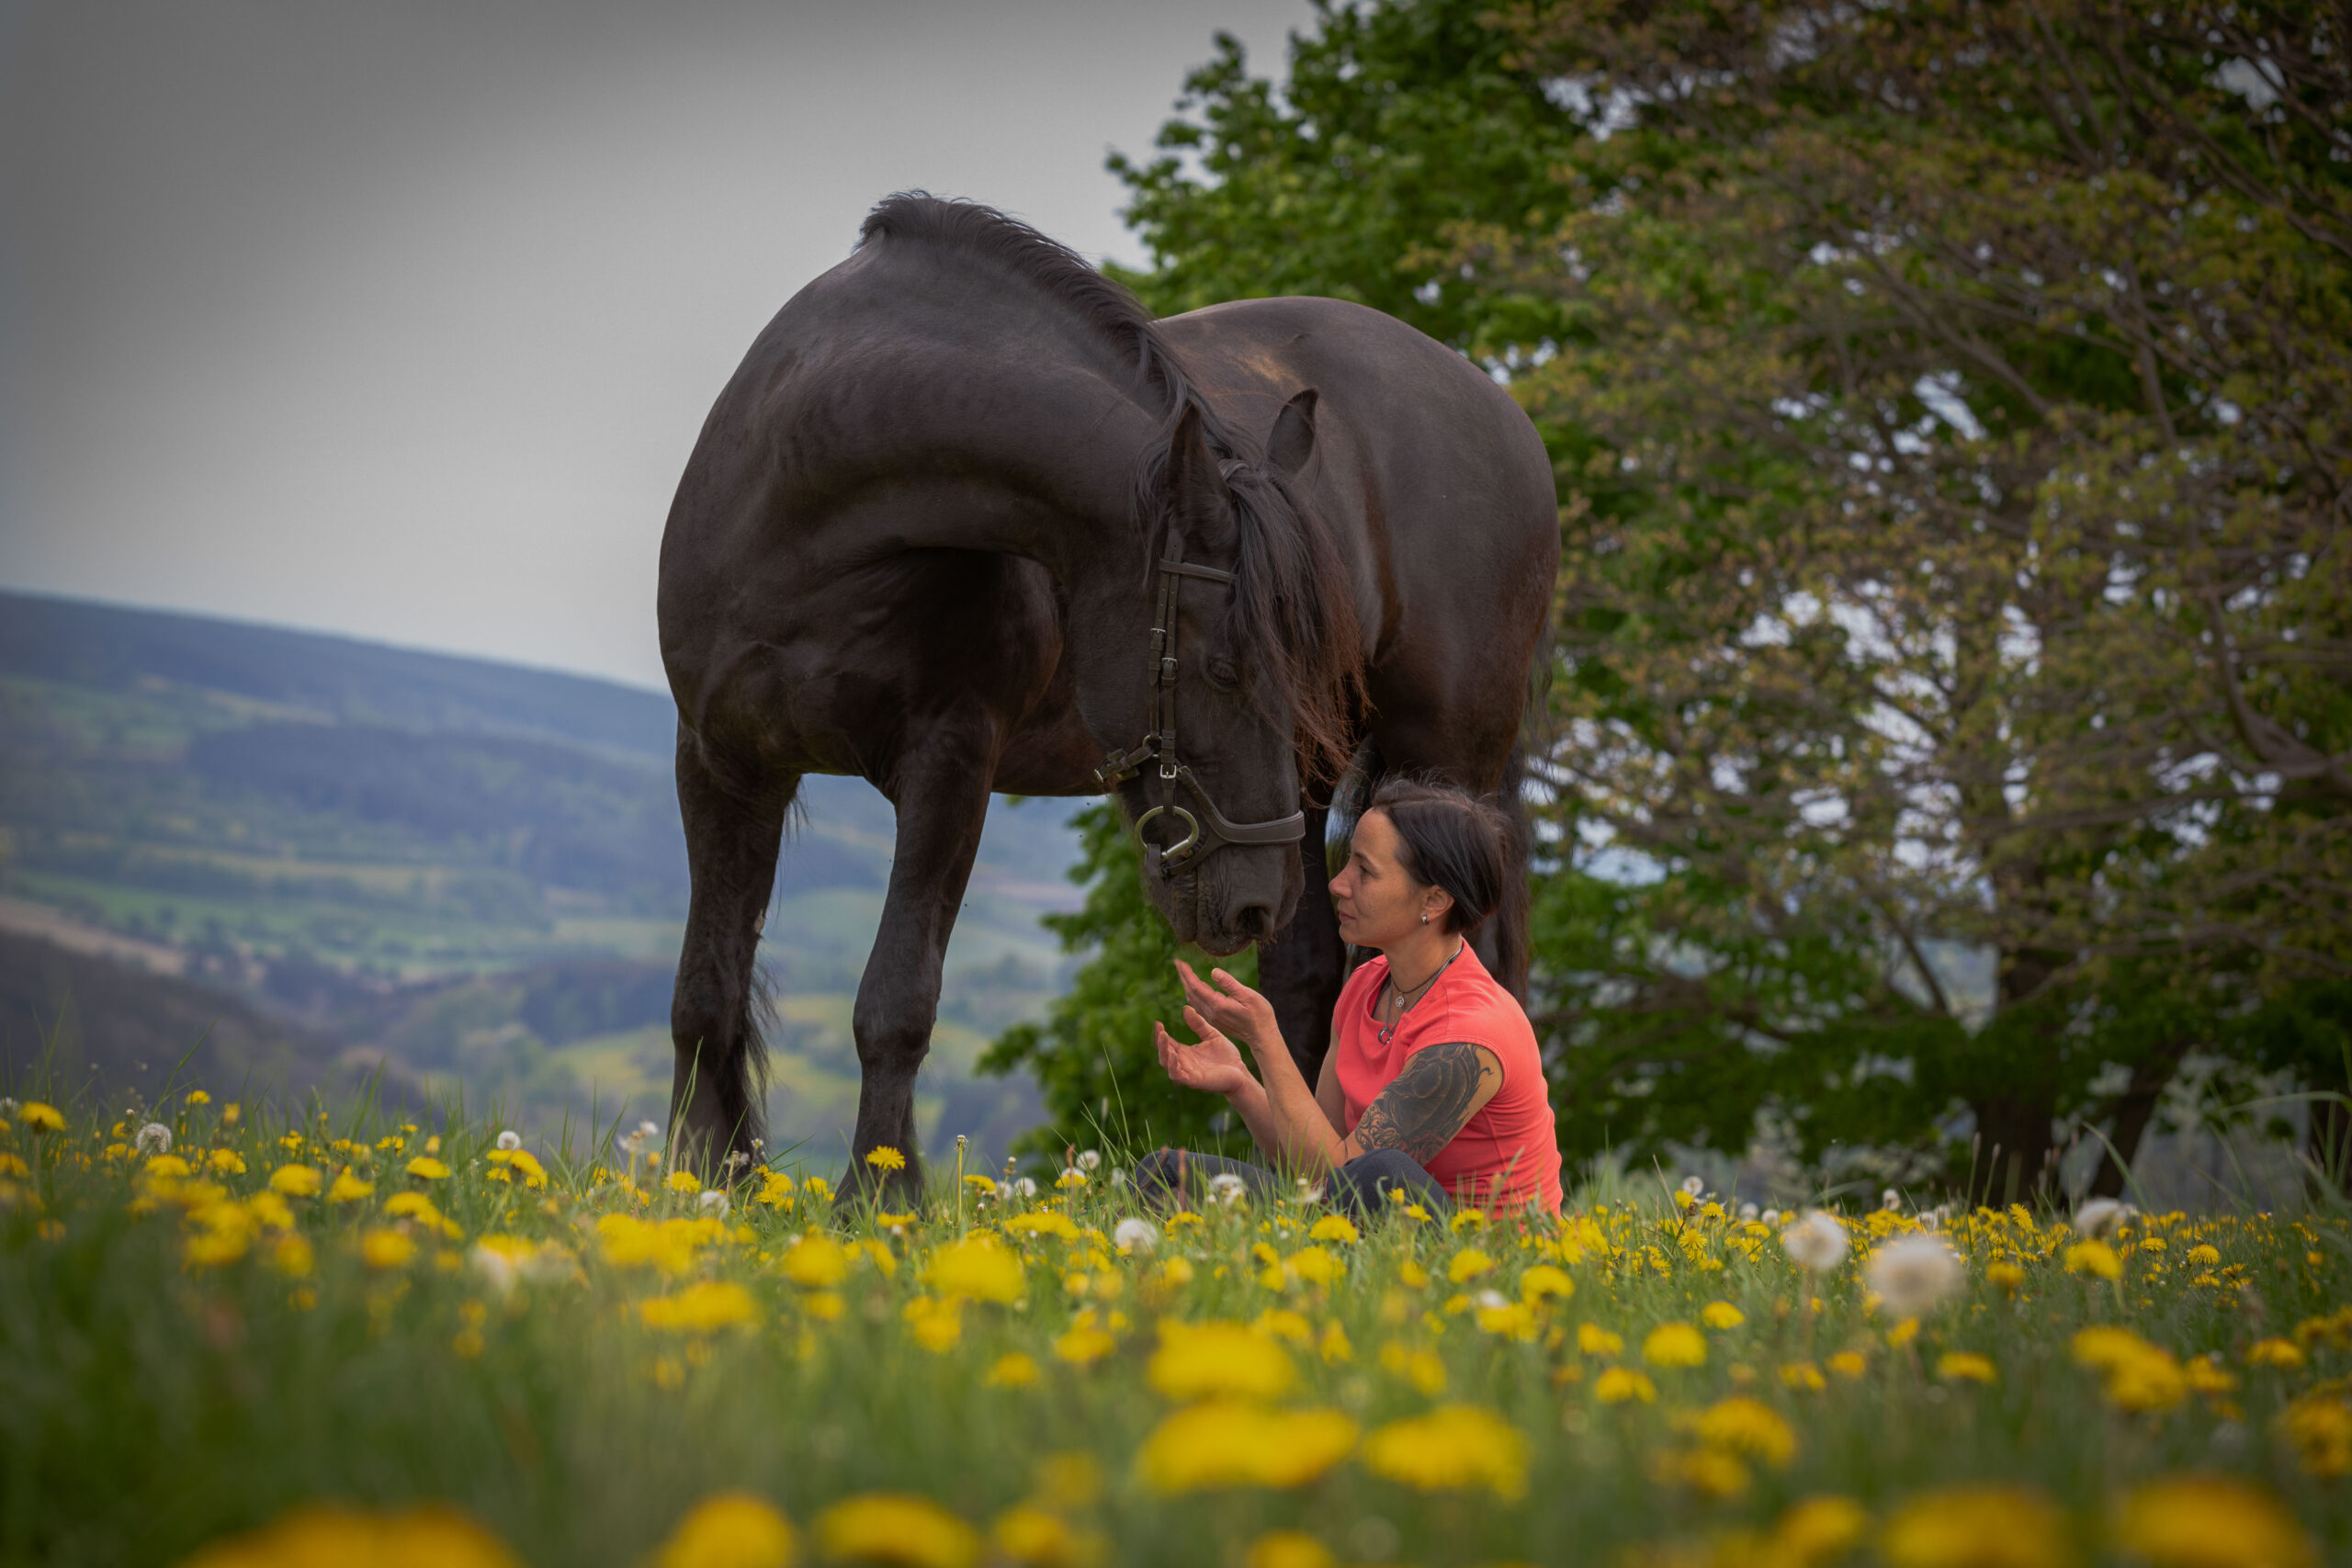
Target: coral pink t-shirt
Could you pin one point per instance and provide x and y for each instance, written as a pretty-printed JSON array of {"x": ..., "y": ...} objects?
[{"x": 1508, "y": 1152}]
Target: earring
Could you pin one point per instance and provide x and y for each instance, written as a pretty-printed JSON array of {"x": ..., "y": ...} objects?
[{"x": 1425, "y": 916}]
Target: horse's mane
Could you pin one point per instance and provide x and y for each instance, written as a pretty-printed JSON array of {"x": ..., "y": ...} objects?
[{"x": 1292, "y": 612}]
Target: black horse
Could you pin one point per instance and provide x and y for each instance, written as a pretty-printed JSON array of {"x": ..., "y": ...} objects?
[{"x": 968, "y": 519}]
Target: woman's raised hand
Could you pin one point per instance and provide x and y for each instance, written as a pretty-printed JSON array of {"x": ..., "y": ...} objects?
[
  {"x": 1232, "y": 1009},
  {"x": 1213, "y": 1065}
]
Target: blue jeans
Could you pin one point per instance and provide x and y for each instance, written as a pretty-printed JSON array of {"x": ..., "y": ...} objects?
[{"x": 1359, "y": 1188}]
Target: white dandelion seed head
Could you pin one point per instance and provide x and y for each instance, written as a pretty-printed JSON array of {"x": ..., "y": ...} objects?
[
  {"x": 154, "y": 1139},
  {"x": 1914, "y": 1274},
  {"x": 495, "y": 1269},
  {"x": 1135, "y": 1235},
  {"x": 1491, "y": 1299},
  {"x": 1816, "y": 1243},
  {"x": 1748, "y": 1212},
  {"x": 1308, "y": 1191},
  {"x": 510, "y": 1140},
  {"x": 1118, "y": 1176},
  {"x": 649, "y": 1128},
  {"x": 1090, "y": 1160},
  {"x": 1889, "y": 1200},
  {"x": 1025, "y": 1186},
  {"x": 1694, "y": 1185},
  {"x": 1226, "y": 1189},
  {"x": 2102, "y": 1214},
  {"x": 714, "y": 1203},
  {"x": 1769, "y": 1217}
]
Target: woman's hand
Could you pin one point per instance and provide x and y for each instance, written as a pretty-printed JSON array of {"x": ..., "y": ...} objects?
[
  {"x": 1213, "y": 1065},
  {"x": 1232, "y": 1009}
]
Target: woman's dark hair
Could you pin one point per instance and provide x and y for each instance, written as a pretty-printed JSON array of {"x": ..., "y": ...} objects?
[{"x": 1452, "y": 840}]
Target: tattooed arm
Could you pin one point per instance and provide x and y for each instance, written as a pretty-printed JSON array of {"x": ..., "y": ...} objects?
[{"x": 1424, "y": 1106}]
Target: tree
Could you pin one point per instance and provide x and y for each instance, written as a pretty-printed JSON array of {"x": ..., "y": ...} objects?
[
  {"x": 1959, "y": 561},
  {"x": 1093, "y": 1057}
]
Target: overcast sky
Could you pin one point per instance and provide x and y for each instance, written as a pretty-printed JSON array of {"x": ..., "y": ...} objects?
[{"x": 399, "y": 319}]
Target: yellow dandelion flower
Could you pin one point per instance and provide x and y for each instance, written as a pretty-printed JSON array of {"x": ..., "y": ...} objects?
[
  {"x": 1317, "y": 1266},
  {"x": 937, "y": 1326},
  {"x": 1619, "y": 1385},
  {"x": 1332, "y": 1227},
  {"x": 1468, "y": 1264},
  {"x": 1012, "y": 1370},
  {"x": 412, "y": 1206},
  {"x": 295, "y": 1181},
  {"x": 1423, "y": 1368},
  {"x": 1512, "y": 1320},
  {"x": 2207, "y": 1375},
  {"x": 1201, "y": 1360},
  {"x": 1721, "y": 1314},
  {"x": 704, "y": 1307},
  {"x": 976, "y": 1268},
  {"x": 425, "y": 1168},
  {"x": 2205, "y": 1255},
  {"x": 882, "y": 1156},
  {"x": 1675, "y": 1344},
  {"x": 228, "y": 1162},
  {"x": 386, "y": 1249},
  {"x": 1043, "y": 1222},
  {"x": 683, "y": 1182},
  {"x": 1452, "y": 1448},
  {"x": 1467, "y": 1220},
  {"x": 2207, "y": 1521},
  {"x": 1289, "y": 1549},
  {"x": 1412, "y": 1274},
  {"x": 1746, "y": 1426},
  {"x": 198, "y": 1097},
  {"x": 1036, "y": 1537},
  {"x": 1544, "y": 1282},
  {"x": 2283, "y": 1354},
  {"x": 1595, "y": 1340},
  {"x": 1711, "y": 1472},
  {"x": 1226, "y": 1443},
  {"x": 39, "y": 1117},
  {"x": 2094, "y": 1258},
  {"x": 2007, "y": 1275},
  {"x": 1849, "y": 1364},
  {"x": 1803, "y": 1376},
  {"x": 332, "y": 1533},
  {"x": 817, "y": 1263},
  {"x": 730, "y": 1529},
  {"x": 349, "y": 1189},
  {"x": 1964, "y": 1366},
  {"x": 1819, "y": 1529},
  {"x": 1977, "y": 1526},
  {"x": 897, "y": 1529},
  {"x": 1084, "y": 1346},
  {"x": 2319, "y": 1425}
]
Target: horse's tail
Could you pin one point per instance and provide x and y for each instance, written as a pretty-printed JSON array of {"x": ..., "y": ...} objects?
[{"x": 1513, "y": 945}]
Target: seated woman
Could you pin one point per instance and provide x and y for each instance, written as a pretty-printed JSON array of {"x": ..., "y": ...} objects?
[{"x": 1433, "y": 1083}]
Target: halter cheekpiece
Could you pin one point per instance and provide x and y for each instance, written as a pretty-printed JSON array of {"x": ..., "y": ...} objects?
[{"x": 1212, "y": 827}]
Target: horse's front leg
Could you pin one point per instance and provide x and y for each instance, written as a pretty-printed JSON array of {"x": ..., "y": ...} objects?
[{"x": 940, "y": 790}]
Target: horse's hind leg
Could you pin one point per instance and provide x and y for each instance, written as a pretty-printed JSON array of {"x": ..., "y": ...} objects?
[
  {"x": 732, "y": 838},
  {"x": 940, "y": 790}
]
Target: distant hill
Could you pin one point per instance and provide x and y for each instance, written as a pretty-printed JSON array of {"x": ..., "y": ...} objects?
[{"x": 442, "y": 859}]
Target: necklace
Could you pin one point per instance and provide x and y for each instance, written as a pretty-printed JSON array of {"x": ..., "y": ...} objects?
[{"x": 1403, "y": 1007}]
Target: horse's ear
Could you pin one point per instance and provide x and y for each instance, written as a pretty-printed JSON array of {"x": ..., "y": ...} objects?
[
  {"x": 1293, "y": 441},
  {"x": 1196, "y": 487}
]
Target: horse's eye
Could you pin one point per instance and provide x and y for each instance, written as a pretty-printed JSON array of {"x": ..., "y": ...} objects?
[{"x": 1224, "y": 670}]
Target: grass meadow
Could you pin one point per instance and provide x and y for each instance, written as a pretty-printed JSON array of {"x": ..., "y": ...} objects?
[{"x": 232, "y": 1338}]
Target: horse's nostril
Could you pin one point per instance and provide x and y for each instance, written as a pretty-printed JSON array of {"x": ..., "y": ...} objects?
[{"x": 1257, "y": 922}]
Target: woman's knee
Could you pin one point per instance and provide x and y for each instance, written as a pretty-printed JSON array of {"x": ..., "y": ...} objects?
[{"x": 1162, "y": 1170}]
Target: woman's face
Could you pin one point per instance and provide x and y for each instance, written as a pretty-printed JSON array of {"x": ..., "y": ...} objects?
[{"x": 1378, "y": 904}]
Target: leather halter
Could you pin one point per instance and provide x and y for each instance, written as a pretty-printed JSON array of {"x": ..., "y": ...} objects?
[{"x": 1212, "y": 828}]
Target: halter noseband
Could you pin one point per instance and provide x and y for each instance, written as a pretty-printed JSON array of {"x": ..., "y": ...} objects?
[{"x": 1202, "y": 835}]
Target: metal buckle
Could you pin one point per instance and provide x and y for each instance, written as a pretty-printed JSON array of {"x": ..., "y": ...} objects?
[{"x": 1183, "y": 847}]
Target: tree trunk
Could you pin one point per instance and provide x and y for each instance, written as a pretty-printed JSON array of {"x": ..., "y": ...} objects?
[
  {"x": 2330, "y": 1146},
  {"x": 2012, "y": 1160},
  {"x": 2134, "y": 1109}
]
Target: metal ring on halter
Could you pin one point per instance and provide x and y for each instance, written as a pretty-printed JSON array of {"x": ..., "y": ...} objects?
[{"x": 1183, "y": 845}]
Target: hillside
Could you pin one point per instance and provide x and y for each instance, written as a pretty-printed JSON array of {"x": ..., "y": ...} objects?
[{"x": 472, "y": 869}]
